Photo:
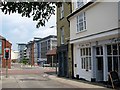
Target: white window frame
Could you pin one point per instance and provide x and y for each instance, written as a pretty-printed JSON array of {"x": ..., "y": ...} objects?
[
  {"x": 85, "y": 59},
  {"x": 62, "y": 11},
  {"x": 112, "y": 55},
  {"x": 62, "y": 35},
  {"x": 81, "y": 22}
]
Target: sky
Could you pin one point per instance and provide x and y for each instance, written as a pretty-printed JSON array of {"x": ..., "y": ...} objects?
[{"x": 18, "y": 29}]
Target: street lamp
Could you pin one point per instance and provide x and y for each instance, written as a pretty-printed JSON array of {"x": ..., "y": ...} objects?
[{"x": 56, "y": 53}]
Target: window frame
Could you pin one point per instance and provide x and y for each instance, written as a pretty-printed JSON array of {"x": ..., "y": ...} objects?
[
  {"x": 81, "y": 20},
  {"x": 85, "y": 59},
  {"x": 62, "y": 11},
  {"x": 62, "y": 35}
]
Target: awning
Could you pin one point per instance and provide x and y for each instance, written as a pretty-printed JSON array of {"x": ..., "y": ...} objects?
[{"x": 51, "y": 52}]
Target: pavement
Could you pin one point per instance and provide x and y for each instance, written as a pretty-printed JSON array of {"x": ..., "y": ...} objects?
[
  {"x": 48, "y": 81},
  {"x": 41, "y": 80}
]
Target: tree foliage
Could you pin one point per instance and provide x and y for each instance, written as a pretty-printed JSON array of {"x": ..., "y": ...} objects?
[{"x": 39, "y": 11}]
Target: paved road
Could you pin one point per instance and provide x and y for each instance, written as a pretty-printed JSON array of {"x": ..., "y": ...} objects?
[{"x": 36, "y": 77}]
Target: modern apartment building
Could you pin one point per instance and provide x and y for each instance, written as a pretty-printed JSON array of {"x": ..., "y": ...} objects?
[
  {"x": 30, "y": 52},
  {"x": 44, "y": 45},
  {"x": 36, "y": 49},
  {"x": 21, "y": 47},
  {"x": 63, "y": 35},
  {"x": 94, "y": 34}
]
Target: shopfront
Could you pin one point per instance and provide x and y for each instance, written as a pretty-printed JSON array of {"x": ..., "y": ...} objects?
[{"x": 96, "y": 59}]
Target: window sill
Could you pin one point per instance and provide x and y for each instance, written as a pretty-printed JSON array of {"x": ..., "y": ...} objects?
[{"x": 81, "y": 31}]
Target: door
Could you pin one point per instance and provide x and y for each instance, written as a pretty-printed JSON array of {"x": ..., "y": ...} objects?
[
  {"x": 99, "y": 68},
  {"x": 99, "y": 63}
]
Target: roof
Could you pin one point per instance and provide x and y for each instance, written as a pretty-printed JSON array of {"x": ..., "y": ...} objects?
[
  {"x": 83, "y": 7},
  {"x": 2, "y": 38},
  {"x": 48, "y": 37},
  {"x": 51, "y": 52}
]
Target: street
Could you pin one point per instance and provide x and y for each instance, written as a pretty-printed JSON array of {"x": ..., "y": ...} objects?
[{"x": 38, "y": 77}]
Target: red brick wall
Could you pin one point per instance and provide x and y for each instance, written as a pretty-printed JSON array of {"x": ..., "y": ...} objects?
[{"x": 8, "y": 45}]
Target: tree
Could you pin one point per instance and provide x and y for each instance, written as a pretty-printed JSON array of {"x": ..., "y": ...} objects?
[{"x": 39, "y": 11}]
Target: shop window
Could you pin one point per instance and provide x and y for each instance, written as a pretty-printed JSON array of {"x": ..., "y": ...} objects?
[
  {"x": 85, "y": 58},
  {"x": 113, "y": 56}
]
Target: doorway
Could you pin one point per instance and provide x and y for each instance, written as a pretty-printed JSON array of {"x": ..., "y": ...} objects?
[{"x": 99, "y": 63}]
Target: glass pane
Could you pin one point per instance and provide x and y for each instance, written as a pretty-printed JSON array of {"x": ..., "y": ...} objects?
[
  {"x": 101, "y": 50},
  {"x": 83, "y": 51},
  {"x": 115, "y": 51},
  {"x": 97, "y": 51},
  {"x": 115, "y": 63},
  {"x": 109, "y": 51},
  {"x": 119, "y": 48},
  {"x": 86, "y": 51},
  {"x": 109, "y": 64},
  {"x": 100, "y": 63},
  {"x": 90, "y": 51},
  {"x": 84, "y": 24},
  {"x": 86, "y": 63},
  {"x": 82, "y": 63},
  {"x": 90, "y": 63}
]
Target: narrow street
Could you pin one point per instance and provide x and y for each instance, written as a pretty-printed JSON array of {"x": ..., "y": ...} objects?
[{"x": 38, "y": 77}]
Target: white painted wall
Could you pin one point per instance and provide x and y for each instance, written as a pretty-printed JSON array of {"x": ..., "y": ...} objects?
[
  {"x": 14, "y": 54},
  {"x": 77, "y": 60},
  {"x": 100, "y": 17}
]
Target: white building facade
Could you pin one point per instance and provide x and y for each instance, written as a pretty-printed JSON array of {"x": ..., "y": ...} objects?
[{"x": 94, "y": 33}]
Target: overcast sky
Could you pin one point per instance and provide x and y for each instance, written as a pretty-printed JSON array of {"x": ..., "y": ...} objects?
[{"x": 19, "y": 29}]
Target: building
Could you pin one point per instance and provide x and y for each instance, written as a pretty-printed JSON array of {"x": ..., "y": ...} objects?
[
  {"x": 52, "y": 58},
  {"x": 14, "y": 55},
  {"x": 94, "y": 34},
  {"x": 63, "y": 35},
  {"x": 36, "y": 49},
  {"x": 21, "y": 47},
  {"x": 5, "y": 44},
  {"x": 30, "y": 52},
  {"x": 44, "y": 45}
]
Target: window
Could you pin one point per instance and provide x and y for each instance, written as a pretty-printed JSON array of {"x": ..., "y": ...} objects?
[
  {"x": 81, "y": 22},
  {"x": 113, "y": 56},
  {"x": 62, "y": 35},
  {"x": 80, "y": 3},
  {"x": 99, "y": 50},
  {"x": 62, "y": 11},
  {"x": 86, "y": 58}
]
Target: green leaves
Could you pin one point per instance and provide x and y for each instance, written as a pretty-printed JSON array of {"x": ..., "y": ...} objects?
[{"x": 39, "y": 11}]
